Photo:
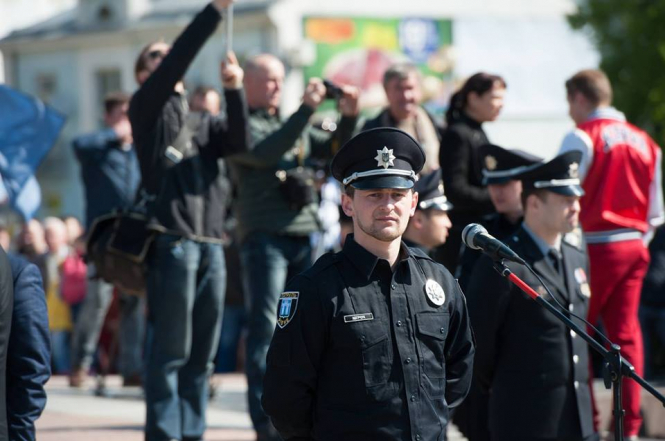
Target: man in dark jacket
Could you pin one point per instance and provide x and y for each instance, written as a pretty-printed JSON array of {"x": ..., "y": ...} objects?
[
  {"x": 501, "y": 169},
  {"x": 535, "y": 370},
  {"x": 372, "y": 343},
  {"x": 6, "y": 310},
  {"x": 275, "y": 218},
  {"x": 178, "y": 155},
  {"x": 401, "y": 82},
  {"x": 29, "y": 359},
  {"x": 110, "y": 175}
]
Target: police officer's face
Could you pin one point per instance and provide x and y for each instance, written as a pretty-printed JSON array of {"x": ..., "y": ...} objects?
[
  {"x": 559, "y": 213},
  {"x": 382, "y": 214},
  {"x": 403, "y": 96},
  {"x": 435, "y": 227},
  {"x": 506, "y": 197}
]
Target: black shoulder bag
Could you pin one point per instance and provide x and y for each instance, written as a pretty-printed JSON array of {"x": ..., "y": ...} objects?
[{"x": 119, "y": 243}]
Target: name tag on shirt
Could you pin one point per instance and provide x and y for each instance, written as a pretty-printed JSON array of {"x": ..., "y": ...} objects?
[{"x": 358, "y": 317}]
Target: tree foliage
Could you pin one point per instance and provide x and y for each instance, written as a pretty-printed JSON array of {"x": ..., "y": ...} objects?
[{"x": 630, "y": 36}]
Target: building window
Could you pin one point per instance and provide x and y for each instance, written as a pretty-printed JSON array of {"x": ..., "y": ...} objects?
[
  {"x": 108, "y": 80},
  {"x": 46, "y": 86}
]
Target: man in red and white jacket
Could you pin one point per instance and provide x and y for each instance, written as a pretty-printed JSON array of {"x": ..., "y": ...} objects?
[{"x": 621, "y": 173}]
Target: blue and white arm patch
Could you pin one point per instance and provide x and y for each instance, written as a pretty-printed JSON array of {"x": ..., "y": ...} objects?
[{"x": 286, "y": 307}]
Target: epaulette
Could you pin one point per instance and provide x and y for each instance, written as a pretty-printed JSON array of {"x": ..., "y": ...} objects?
[
  {"x": 420, "y": 254},
  {"x": 322, "y": 263}
]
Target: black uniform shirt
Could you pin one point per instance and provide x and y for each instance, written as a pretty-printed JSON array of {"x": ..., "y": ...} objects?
[{"x": 362, "y": 353}]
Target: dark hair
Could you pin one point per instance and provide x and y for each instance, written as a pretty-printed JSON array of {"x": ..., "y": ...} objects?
[
  {"x": 479, "y": 83},
  {"x": 540, "y": 193},
  {"x": 141, "y": 60},
  {"x": 203, "y": 91},
  {"x": 399, "y": 71},
  {"x": 593, "y": 85},
  {"x": 113, "y": 100}
]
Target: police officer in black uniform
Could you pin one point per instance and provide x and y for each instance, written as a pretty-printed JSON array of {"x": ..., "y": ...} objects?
[
  {"x": 429, "y": 226},
  {"x": 501, "y": 168},
  {"x": 371, "y": 343},
  {"x": 536, "y": 370}
]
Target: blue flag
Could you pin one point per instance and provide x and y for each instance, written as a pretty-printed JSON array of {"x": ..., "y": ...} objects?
[{"x": 28, "y": 131}]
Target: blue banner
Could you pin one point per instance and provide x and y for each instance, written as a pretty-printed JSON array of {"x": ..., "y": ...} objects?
[{"x": 28, "y": 131}]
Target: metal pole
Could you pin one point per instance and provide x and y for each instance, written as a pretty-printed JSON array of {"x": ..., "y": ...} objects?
[{"x": 229, "y": 29}]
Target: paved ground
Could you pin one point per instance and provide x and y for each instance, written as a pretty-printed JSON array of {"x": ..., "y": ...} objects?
[{"x": 80, "y": 414}]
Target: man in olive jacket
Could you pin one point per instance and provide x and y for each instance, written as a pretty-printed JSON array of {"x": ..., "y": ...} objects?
[{"x": 274, "y": 223}]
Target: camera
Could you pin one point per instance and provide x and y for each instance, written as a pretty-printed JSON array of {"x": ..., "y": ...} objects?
[{"x": 333, "y": 91}]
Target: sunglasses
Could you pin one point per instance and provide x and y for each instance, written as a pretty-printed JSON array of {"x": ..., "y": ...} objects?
[{"x": 153, "y": 55}]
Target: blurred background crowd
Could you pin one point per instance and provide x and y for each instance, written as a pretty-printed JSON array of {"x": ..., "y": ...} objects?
[{"x": 419, "y": 67}]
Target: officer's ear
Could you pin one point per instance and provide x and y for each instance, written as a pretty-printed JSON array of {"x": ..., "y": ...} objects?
[
  {"x": 347, "y": 203},
  {"x": 417, "y": 220},
  {"x": 414, "y": 203}
]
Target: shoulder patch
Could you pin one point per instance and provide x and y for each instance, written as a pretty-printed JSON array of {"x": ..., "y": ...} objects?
[{"x": 286, "y": 307}]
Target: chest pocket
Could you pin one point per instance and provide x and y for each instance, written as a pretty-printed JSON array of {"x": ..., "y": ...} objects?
[
  {"x": 366, "y": 346},
  {"x": 432, "y": 333}
]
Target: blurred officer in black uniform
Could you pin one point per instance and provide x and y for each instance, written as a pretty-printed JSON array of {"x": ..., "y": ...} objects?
[
  {"x": 428, "y": 228},
  {"x": 500, "y": 173},
  {"x": 501, "y": 168},
  {"x": 534, "y": 368},
  {"x": 372, "y": 342}
]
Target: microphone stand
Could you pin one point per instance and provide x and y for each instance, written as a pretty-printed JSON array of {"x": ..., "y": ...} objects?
[{"x": 616, "y": 367}]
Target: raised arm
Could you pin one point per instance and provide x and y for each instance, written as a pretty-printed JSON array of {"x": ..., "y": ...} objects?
[{"x": 149, "y": 100}]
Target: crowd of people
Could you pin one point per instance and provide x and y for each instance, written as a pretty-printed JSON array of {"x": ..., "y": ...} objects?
[{"x": 323, "y": 262}]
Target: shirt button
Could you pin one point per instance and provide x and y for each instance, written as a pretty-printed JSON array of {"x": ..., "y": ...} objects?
[
  {"x": 413, "y": 398},
  {"x": 443, "y": 330},
  {"x": 393, "y": 286},
  {"x": 570, "y": 308},
  {"x": 576, "y": 384},
  {"x": 408, "y": 360},
  {"x": 399, "y": 323},
  {"x": 417, "y": 437},
  {"x": 576, "y": 359},
  {"x": 572, "y": 334}
]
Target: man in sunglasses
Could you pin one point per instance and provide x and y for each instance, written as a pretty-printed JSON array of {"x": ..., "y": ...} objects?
[{"x": 178, "y": 153}]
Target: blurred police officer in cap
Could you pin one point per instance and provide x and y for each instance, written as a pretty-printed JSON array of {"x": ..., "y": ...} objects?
[
  {"x": 372, "y": 342},
  {"x": 428, "y": 228},
  {"x": 535, "y": 370},
  {"x": 501, "y": 169}
]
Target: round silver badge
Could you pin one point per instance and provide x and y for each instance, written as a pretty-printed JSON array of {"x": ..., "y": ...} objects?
[{"x": 434, "y": 292}]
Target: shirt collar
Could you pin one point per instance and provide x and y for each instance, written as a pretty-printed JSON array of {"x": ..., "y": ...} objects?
[
  {"x": 607, "y": 113},
  {"x": 363, "y": 260},
  {"x": 543, "y": 246}
]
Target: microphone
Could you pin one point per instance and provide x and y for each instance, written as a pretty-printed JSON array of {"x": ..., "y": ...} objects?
[{"x": 476, "y": 237}]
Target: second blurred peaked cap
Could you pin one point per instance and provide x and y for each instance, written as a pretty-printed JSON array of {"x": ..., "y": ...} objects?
[
  {"x": 560, "y": 175},
  {"x": 430, "y": 193},
  {"x": 502, "y": 165}
]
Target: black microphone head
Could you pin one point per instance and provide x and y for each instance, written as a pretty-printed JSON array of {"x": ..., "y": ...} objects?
[{"x": 471, "y": 231}]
